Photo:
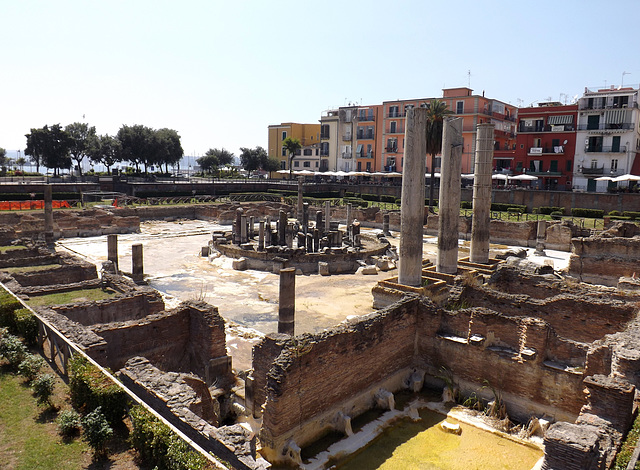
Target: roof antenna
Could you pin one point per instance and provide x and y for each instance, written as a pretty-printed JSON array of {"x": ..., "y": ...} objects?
[
  {"x": 622, "y": 80},
  {"x": 469, "y": 78}
]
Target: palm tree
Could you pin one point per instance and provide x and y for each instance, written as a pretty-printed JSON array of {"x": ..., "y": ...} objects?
[
  {"x": 436, "y": 112},
  {"x": 292, "y": 145}
]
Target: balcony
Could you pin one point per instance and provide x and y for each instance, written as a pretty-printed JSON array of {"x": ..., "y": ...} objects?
[
  {"x": 398, "y": 130},
  {"x": 366, "y": 155},
  {"x": 547, "y": 128},
  {"x": 396, "y": 114},
  {"x": 365, "y": 136},
  {"x": 324, "y": 137},
  {"x": 346, "y": 155},
  {"x": 605, "y": 126},
  {"x": 324, "y": 153},
  {"x": 592, "y": 171},
  {"x": 346, "y": 137},
  {"x": 392, "y": 149},
  {"x": 603, "y": 149},
  {"x": 363, "y": 118},
  {"x": 586, "y": 106}
]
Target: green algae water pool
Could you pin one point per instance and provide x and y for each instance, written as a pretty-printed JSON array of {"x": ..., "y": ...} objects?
[{"x": 422, "y": 445}]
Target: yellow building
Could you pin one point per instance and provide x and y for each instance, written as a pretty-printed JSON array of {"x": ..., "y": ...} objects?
[{"x": 308, "y": 157}]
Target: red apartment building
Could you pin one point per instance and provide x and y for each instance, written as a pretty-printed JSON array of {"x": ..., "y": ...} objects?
[{"x": 546, "y": 144}]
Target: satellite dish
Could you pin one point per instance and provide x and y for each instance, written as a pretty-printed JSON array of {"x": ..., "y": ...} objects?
[{"x": 565, "y": 142}]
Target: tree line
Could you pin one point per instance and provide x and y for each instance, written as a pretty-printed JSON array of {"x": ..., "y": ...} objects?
[{"x": 59, "y": 148}]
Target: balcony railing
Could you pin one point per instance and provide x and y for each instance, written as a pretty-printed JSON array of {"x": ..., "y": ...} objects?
[
  {"x": 346, "y": 137},
  {"x": 586, "y": 106},
  {"x": 366, "y": 154},
  {"x": 324, "y": 137},
  {"x": 557, "y": 150},
  {"x": 324, "y": 153},
  {"x": 346, "y": 155},
  {"x": 603, "y": 149},
  {"x": 365, "y": 136},
  {"x": 392, "y": 149},
  {"x": 396, "y": 114},
  {"x": 547, "y": 128},
  {"x": 366, "y": 118},
  {"x": 592, "y": 171},
  {"x": 398, "y": 130},
  {"x": 605, "y": 126}
]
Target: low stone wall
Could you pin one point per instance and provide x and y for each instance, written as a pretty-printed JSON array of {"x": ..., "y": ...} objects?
[
  {"x": 70, "y": 270},
  {"x": 601, "y": 260}
]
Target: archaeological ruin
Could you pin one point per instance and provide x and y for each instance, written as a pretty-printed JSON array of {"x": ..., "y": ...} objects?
[{"x": 558, "y": 348}]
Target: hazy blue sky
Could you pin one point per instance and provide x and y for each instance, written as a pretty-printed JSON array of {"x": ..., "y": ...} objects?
[{"x": 220, "y": 72}]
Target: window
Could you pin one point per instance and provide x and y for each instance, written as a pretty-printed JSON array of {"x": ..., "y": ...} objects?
[
  {"x": 284, "y": 135},
  {"x": 317, "y": 164},
  {"x": 569, "y": 165},
  {"x": 368, "y": 166},
  {"x": 369, "y": 153},
  {"x": 307, "y": 152},
  {"x": 392, "y": 145},
  {"x": 393, "y": 111},
  {"x": 359, "y": 150},
  {"x": 360, "y": 133},
  {"x": 392, "y": 127},
  {"x": 369, "y": 134},
  {"x": 306, "y": 164},
  {"x": 594, "y": 163},
  {"x": 284, "y": 152},
  {"x": 537, "y": 143},
  {"x": 296, "y": 164},
  {"x": 359, "y": 166},
  {"x": 459, "y": 107},
  {"x": 324, "y": 131},
  {"x": 553, "y": 167},
  {"x": 283, "y": 165},
  {"x": 324, "y": 149},
  {"x": 298, "y": 153},
  {"x": 615, "y": 143},
  {"x": 593, "y": 121},
  {"x": 518, "y": 166},
  {"x": 555, "y": 143},
  {"x": 614, "y": 164},
  {"x": 316, "y": 152},
  {"x": 620, "y": 101}
]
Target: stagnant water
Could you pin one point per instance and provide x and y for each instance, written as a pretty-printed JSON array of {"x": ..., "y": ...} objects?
[{"x": 422, "y": 445}]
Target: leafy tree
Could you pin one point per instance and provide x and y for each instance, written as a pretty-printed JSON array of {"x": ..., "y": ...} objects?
[
  {"x": 436, "y": 112},
  {"x": 291, "y": 145},
  {"x": 21, "y": 161},
  {"x": 106, "y": 150},
  {"x": 253, "y": 159},
  {"x": 50, "y": 146},
  {"x": 169, "y": 150},
  {"x": 273, "y": 164},
  {"x": 3, "y": 157},
  {"x": 82, "y": 137},
  {"x": 137, "y": 144},
  {"x": 214, "y": 159},
  {"x": 97, "y": 431}
]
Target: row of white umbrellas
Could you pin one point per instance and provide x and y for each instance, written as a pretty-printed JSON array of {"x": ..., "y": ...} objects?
[
  {"x": 394, "y": 174},
  {"x": 617, "y": 179}
]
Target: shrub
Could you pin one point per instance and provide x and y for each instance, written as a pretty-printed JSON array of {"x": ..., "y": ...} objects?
[
  {"x": 26, "y": 325},
  {"x": 547, "y": 210},
  {"x": 466, "y": 205},
  {"x": 631, "y": 214},
  {"x": 12, "y": 349},
  {"x": 68, "y": 423},
  {"x": 90, "y": 388},
  {"x": 620, "y": 217},
  {"x": 30, "y": 366},
  {"x": 614, "y": 213},
  {"x": 386, "y": 198},
  {"x": 514, "y": 210},
  {"x": 501, "y": 207},
  {"x": 370, "y": 197},
  {"x": 8, "y": 305},
  {"x": 590, "y": 213},
  {"x": 356, "y": 202},
  {"x": 97, "y": 431},
  {"x": 556, "y": 215},
  {"x": 158, "y": 445},
  {"x": 43, "y": 389}
]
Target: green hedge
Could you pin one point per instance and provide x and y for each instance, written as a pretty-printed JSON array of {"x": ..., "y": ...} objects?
[
  {"x": 354, "y": 201},
  {"x": 547, "y": 210},
  {"x": 386, "y": 198},
  {"x": 466, "y": 205},
  {"x": 159, "y": 446},
  {"x": 620, "y": 217},
  {"x": 631, "y": 214},
  {"x": 589, "y": 213},
  {"x": 90, "y": 388},
  {"x": 8, "y": 305},
  {"x": 500, "y": 207}
]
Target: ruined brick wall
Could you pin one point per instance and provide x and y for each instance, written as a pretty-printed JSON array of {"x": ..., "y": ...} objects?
[
  {"x": 183, "y": 339},
  {"x": 604, "y": 260},
  {"x": 328, "y": 368},
  {"x": 262, "y": 356},
  {"x": 128, "y": 307},
  {"x": 62, "y": 274}
]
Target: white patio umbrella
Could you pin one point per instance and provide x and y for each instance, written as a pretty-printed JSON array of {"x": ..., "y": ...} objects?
[
  {"x": 499, "y": 176},
  {"x": 604, "y": 178},
  {"x": 468, "y": 176},
  {"x": 523, "y": 177},
  {"x": 428, "y": 175},
  {"x": 341, "y": 174},
  {"x": 626, "y": 177},
  {"x": 283, "y": 171},
  {"x": 394, "y": 174}
]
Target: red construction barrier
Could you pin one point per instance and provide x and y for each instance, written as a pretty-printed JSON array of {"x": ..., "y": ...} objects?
[{"x": 30, "y": 205}]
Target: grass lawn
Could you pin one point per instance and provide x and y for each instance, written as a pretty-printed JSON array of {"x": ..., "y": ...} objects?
[
  {"x": 5, "y": 249},
  {"x": 28, "y": 432},
  {"x": 31, "y": 269},
  {"x": 82, "y": 295}
]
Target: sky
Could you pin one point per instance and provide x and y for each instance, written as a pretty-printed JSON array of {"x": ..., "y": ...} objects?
[{"x": 220, "y": 72}]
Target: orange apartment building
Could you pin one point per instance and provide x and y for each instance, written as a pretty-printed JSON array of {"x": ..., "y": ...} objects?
[
  {"x": 376, "y": 132},
  {"x": 308, "y": 157}
]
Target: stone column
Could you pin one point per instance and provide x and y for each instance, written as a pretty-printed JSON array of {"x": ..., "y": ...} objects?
[
  {"x": 305, "y": 217},
  {"x": 480, "y": 236},
  {"x": 327, "y": 216},
  {"x": 385, "y": 224},
  {"x": 541, "y": 237},
  {"x": 236, "y": 235},
  {"x": 289, "y": 235},
  {"x": 287, "y": 302},
  {"x": 349, "y": 214},
  {"x": 48, "y": 214},
  {"x": 449, "y": 199},
  {"x": 412, "y": 203},
  {"x": 243, "y": 229},
  {"x": 252, "y": 227},
  {"x": 112, "y": 251},
  {"x": 261, "y": 236},
  {"x": 316, "y": 240},
  {"x": 282, "y": 228},
  {"x": 319, "y": 221},
  {"x": 137, "y": 263},
  {"x": 355, "y": 233},
  {"x": 300, "y": 201}
]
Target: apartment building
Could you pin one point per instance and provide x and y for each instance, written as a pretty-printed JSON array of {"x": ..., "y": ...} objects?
[
  {"x": 329, "y": 140},
  {"x": 308, "y": 157},
  {"x": 608, "y": 137},
  {"x": 546, "y": 144}
]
